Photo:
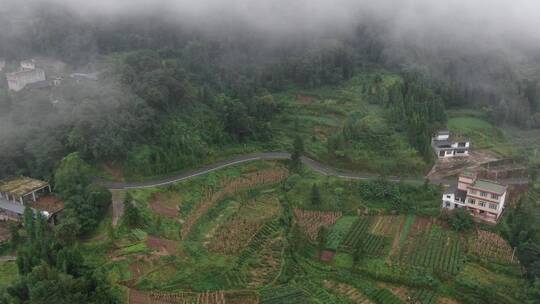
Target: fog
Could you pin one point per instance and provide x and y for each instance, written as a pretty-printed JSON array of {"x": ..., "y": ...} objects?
[
  {"x": 486, "y": 23},
  {"x": 488, "y": 50}
]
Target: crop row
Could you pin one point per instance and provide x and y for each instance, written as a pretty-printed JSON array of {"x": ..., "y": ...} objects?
[
  {"x": 319, "y": 293},
  {"x": 211, "y": 198},
  {"x": 424, "y": 296},
  {"x": 384, "y": 296},
  {"x": 257, "y": 241},
  {"x": 355, "y": 235},
  {"x": 374, "y": 245},
  {"x": 312, "y": 221},
  {"x": 339, "y": 231},
  {"x": 436, "y": 250},
  {"x": 283, "y": 295},
  {"x": 490, "y": 245}
]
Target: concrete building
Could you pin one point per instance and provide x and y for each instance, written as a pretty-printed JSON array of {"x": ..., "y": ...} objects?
[
  {"x": 447, "y": 145},
  {"x": 25, "y": 75},
  {"x": 483, "y": 198},
  {"x": 18, "y": 193}
]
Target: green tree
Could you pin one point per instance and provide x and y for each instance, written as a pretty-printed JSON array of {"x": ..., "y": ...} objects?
[
  {"x": 131, "y": 217},
  {"x": 29, "y": 223},
  {"x": 316, "y": 198},
  {"x": 296, "y": 155},
  {"x": 461, "y": 220},
  {"x": 321, "y": 239},
  {"x": 72, "y": 176}
]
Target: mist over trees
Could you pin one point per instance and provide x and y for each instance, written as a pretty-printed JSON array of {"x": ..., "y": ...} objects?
[{"x": 155, "y": 68}]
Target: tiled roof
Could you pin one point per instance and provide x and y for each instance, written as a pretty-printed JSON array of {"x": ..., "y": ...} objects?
[{"x": 489, "y": 186}]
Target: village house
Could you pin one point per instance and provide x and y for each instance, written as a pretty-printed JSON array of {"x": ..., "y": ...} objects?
[
  {"x": 25, "y": 75},
  {"x": 447, "y": 145},
  {"x": 20, "y": 192},
  {"x": 483, "y": 198}
]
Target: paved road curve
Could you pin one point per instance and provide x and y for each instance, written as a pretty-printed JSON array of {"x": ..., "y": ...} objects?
[{"x": 312, "y": 164}]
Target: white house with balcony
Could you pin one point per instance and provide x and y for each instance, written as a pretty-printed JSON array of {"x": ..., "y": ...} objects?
[
  {"x": 484, "y": 199},
  {"x": 25, "y": 75},
  {"x": 448, "y": 145}
]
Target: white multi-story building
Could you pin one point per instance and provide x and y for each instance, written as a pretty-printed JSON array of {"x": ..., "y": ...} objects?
[
  {"x": 446, "y": 145},
  {"x": 485, "y": 199},
  {"x": 27, "y": 74}
]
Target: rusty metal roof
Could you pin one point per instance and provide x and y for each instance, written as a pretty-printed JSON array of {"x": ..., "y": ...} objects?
[{"x": 20, "y": 186}]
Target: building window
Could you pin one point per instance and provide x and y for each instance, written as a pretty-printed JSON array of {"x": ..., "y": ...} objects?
[
  {"x": 493, "y": 206},
  {"x": 482, "y": 204},
  {"x": 473, "y": 191},
  {"x": 494, "y": 196},
  {"x": 484, "y": 194},
  {"x": 448, "y": 196},
  {"x": 472, "y": 201}
]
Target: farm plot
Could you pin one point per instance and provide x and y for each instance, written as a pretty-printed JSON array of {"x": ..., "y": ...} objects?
[
  {"x": 166, "y": 204},
  {"x": 312, "y": 221},
  {"x": 384, "y": 296},
  {"x": 490, "y": 245},
  {"x": 232, "y": 237},
  {"x": 257, "y": 241},
  {"x": 338, "y": 232},
  {"x": 435, "y": 250},
  {"x": 348, "y": 291},
  {"x": 212, "y": 198},
  {"x": 318, "y": 293},
  {"x": 269, "y": 263},
  {"x": 424, "y": 296},
  {"x": 216, "y": 297},
  {"x": 283, "y": 295},
  {"x": 356, "y": 234},
  {"x": 358, "y": 238},
  {"x": 385, "y": 225}
]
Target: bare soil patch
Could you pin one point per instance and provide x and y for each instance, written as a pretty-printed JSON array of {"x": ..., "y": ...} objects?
[
  {"x": 115, "y": 170},
  {"x": 327, "y": 255},
  {"x": 165, "y": 246},
  {"x": 4, "y": 231},
  {"x": 165, "y": 204},
  {"x": 306, "y": 99},
  {"x": 449, "y": 167}
]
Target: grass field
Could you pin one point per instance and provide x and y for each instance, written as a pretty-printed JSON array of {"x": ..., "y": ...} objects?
[
  {"x": 474, "y": 125},
  {"x": 8, "y": 273}
]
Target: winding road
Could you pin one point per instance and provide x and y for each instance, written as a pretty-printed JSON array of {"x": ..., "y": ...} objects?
[{"x": 308, "y": 162}]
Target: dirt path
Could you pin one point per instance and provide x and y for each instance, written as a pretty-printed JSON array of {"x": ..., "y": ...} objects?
[
  {"x": 395, "y": 243},
  {"x": 117, "y": 205}
]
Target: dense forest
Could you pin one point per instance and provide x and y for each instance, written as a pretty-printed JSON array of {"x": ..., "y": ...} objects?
[{"x": 159, "y": 80}]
